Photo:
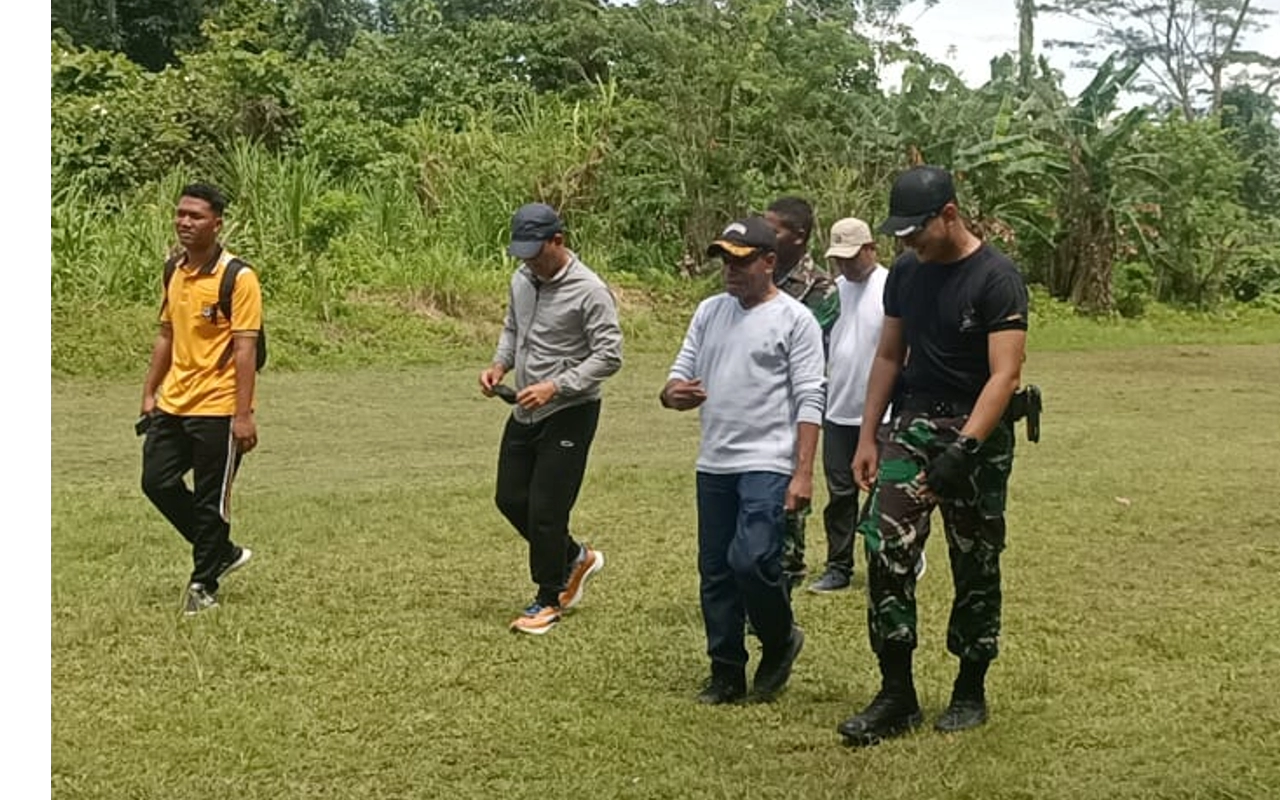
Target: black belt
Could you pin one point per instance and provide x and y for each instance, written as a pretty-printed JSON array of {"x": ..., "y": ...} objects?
[
  {"x": 1025, "y": 404},
  {"x": 936, "y": 408}
]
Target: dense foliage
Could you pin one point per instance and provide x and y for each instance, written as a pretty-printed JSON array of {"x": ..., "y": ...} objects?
[{"x": 381, "y": 146}]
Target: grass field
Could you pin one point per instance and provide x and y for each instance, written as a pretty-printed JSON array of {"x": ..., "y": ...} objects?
[{"x": 365, "y": 652}]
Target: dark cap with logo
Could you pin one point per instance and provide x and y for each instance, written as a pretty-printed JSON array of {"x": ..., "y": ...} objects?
[
  {"x": 917, "y": 195},
  {"x": 743, "y": 238},
  {"x": 531, "y": 226}
]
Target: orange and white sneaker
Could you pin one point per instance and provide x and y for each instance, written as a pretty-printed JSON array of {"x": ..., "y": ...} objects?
[
  {"x": 536, "y": 619},
  {"x": 589, "y": 563}
]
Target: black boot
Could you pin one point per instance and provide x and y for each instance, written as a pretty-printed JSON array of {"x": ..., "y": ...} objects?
[
  {"x": 968, "y": 706},
  {"x": 895, "y": 709},
  {"x": 728, "y": 684},
  {"x": 775, "y": 666}
]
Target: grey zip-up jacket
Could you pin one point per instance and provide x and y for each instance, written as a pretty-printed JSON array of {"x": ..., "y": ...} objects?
[{"x": 565, "y": 330}]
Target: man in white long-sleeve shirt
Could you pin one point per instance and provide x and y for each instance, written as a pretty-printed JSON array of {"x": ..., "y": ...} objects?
[{"x": 752, "y": 363}]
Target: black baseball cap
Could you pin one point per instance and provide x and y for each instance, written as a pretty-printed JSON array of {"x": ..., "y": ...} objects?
[
  {"x": 531, "y": 226},
  {"x": 743, "y": 237},
  {"x": 917, "y": 195}
]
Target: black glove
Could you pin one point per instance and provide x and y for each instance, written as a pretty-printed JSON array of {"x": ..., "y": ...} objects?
[{"x": 948, "y": 474}]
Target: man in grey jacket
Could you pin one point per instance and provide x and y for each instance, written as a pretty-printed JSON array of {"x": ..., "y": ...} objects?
[{"x": 562, "y": 338}]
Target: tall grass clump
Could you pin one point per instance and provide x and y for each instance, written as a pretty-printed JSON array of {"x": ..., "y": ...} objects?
[
  {"x": 543, "y": 149},
  {"x": 108, "y": 253}
]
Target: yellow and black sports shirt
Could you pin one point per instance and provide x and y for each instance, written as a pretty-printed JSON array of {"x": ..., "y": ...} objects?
[{"x": 195, "y": 384}]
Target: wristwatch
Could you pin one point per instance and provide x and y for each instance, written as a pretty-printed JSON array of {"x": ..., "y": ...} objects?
[{"x": 968, "y": 445}]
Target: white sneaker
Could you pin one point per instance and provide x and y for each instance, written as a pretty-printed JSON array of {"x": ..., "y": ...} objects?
[
  {"x": 197, "y": 599},
  {"x": 243, "y": 554}
]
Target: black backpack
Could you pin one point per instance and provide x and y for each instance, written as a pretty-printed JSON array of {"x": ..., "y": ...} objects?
[{"x": 225, "y": 288}]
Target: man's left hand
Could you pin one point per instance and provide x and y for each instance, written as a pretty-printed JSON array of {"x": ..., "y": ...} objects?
[
  {"x": 245, "y": 432},
  {"x": 948, "y": 474},
  {"x": 537, "y": 395},
  {"x": 799, "y": 493}
]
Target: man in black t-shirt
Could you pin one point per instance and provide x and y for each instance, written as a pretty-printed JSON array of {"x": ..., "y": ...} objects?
[{"x": 959, "y": 307}]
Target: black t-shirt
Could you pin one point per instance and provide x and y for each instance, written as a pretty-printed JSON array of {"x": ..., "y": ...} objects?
[{"x": 947, "y": 310}]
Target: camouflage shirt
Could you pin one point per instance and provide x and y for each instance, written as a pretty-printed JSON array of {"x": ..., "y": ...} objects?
[{"x": 816, "y": 289}]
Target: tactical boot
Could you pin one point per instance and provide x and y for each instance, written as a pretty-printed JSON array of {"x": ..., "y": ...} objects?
[
  {"x": 968, "y": 707},
  {"x": 895, "y": 709},
  {"x": 962, "y": 714},
  {"x": 893, "y": 712}
]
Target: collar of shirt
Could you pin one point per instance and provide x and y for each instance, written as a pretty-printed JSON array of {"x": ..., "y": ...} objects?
[
  {"x": 208, "y": 267},
  {"x": 559, "y": 276},
  {"x": 799, "y": 272}
]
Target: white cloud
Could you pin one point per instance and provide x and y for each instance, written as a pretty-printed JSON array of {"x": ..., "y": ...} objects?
[{"x": 967, "y": 34}]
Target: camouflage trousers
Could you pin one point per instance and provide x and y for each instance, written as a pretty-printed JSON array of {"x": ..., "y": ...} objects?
[
  {"x": 793, "y": 547},
  {"x": 897, "y": 525}
]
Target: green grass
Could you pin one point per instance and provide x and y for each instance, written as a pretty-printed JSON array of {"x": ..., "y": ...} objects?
[
  {"x": 1060, "y": 329},
  {"x": 446, "y": 321},
  {"x": 364, "y": 652}
]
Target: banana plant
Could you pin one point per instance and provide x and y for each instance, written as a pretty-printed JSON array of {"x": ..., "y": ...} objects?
[{"x": 1092, "y": 139}]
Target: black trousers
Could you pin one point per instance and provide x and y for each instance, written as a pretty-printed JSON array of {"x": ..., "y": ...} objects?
[
  {"x": 540, "y": 470},
  {"x": 202, "y": 446},
  {"x": 840, "y": 516}
]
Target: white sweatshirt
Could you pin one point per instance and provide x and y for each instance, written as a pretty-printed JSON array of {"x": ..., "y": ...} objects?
[{"x": 762, "y": 369}]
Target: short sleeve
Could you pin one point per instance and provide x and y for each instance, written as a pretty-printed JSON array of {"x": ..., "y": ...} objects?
[
  {"x": 893, "y": 288},
  {"x": 246, "y": 302},
  {"x": 1004, "y": 301}
]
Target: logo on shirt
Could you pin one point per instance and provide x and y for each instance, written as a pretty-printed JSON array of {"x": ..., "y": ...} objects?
[{"x": 968, "y": 320}]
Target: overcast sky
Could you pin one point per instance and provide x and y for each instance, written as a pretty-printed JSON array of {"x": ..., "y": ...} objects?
[{"x": 967, "y": 34}]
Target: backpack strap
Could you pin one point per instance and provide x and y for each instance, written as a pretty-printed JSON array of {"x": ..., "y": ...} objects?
[
  {"x": 170, "y": 267},
  {"x": 225, "y": 289},
  {"x": 228, "y": 285}
]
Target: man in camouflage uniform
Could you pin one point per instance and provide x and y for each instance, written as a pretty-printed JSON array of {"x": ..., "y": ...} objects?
[
  {"x": 959, "y": 306},
  {"x": 798, "y": 275}
]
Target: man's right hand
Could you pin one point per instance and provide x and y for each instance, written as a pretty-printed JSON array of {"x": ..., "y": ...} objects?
[
  {"x": 866, "y": 462},
  {"x": 148, "y": 405},
  {"x": 491, "y": 377},
  {"x": 683, "y": 395}
]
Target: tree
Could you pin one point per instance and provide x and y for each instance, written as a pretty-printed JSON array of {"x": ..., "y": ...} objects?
[
  {"x": 1187, "y": 47},
  {"x": 1026, "y": 42},
  {"x": 1080, "y": 156},
  {"x": 149, "y": 32},
  {"x": 329, "y": 24},
  {"x": 1249, "y": 118}
]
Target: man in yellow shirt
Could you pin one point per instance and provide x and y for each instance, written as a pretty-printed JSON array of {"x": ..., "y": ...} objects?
[{"x": 198, "y": 396}]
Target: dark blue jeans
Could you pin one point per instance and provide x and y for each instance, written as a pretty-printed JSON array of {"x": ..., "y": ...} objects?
[{"x": 740, "y": 528}]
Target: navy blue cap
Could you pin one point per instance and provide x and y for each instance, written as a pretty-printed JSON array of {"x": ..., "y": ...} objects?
[{"x": 531, "y": 226}]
